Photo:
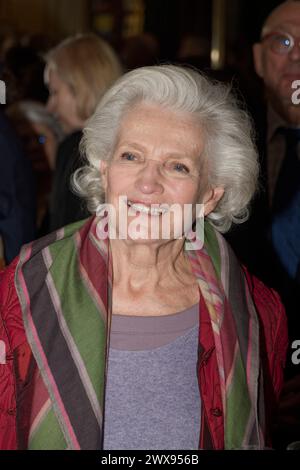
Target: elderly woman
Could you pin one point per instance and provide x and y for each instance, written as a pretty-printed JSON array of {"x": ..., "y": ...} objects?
[
  {"x": 78, "y": 72},
  {"x": 145, "y": 340}
]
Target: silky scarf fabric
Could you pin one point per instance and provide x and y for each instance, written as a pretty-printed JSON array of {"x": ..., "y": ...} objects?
[
  {"x": 64, "y": 286},
  {"x": 62, "y": 283},
  {"x": 235, "y": 327}
]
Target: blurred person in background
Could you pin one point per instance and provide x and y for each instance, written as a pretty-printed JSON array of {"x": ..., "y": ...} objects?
[
  {"x": 17, "y": 193},
  {"x": 40, "y": 134},
  {"x": 277, "y": 63},
  {"x": 78, "y": 72},
  {"x": 22, "y": 71}
]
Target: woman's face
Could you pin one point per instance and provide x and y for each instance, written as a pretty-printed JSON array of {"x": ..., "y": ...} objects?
[
  {"x": 62, "y": 103},
  {"x": 157, "y": 161}
]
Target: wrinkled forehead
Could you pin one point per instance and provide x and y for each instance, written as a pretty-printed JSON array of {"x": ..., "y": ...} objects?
[{"x": 286, "y": 17}]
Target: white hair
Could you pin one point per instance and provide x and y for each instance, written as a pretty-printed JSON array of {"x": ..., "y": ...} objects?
[{"x": 229, "y": 148}]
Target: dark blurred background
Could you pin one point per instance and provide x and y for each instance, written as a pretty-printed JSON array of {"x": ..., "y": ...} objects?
[
  {"x": 209, "y": 34},
  {"x": 172, "y": 22}
]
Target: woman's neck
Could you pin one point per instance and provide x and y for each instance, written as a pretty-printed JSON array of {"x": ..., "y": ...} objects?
[{"x": 144, "y": 263}]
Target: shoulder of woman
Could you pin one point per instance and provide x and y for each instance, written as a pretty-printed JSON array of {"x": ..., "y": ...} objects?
[
  {"x": 269, "y": 307},
  {"x": 11, "y": 322},
  {"x": 274, "y": 332},
  {"x": 14, "y": 350}
]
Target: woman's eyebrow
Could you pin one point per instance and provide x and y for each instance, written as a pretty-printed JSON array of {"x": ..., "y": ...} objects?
[
  {"x": 132, "y": 145},
  {"x": 142, "y": 148}
]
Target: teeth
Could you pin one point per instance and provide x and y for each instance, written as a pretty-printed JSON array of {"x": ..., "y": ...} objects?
[{"x": 147, "y": 209}]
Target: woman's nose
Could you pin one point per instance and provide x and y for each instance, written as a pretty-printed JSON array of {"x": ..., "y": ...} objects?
[{"x": 148, "y": 179}]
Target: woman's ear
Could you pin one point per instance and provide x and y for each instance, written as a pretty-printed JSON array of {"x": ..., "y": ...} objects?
[
  {"x": 211, "y": 199},
  {"x": 103, "y": 172}
]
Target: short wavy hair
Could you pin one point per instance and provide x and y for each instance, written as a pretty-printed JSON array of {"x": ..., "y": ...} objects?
[
  {"x": 229, "y": 140},
  {"x": 88, "y": 64}
]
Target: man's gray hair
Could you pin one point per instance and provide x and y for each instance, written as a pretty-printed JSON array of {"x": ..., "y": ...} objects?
[{"x": 229, "y": 150}]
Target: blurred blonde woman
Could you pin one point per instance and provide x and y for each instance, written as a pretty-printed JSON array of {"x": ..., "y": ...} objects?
[{"x": 78, "y": 71}]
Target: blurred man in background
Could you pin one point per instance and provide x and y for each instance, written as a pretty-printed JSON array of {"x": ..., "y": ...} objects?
[{"x": 277, "y": 62}]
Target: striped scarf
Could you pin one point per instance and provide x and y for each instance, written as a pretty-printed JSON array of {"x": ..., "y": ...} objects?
[{"x": 64, "y": 286}]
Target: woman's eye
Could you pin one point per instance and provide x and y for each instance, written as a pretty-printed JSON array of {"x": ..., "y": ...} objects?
[
  {"x": 181, "y": 168},
  {"x": 128, "y": 157}
]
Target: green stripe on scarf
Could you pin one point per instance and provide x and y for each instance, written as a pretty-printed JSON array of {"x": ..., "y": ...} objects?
[
  {"x": 212, "y": 247},
  {"x": 48, "y": 435},
  {"x": 82, "y": 317},
  {"x": 238, "y": 409}
]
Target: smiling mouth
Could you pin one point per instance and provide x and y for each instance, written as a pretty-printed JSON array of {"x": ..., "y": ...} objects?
[{"x": 148, "y": 209}]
